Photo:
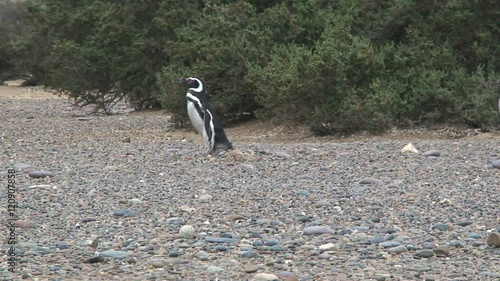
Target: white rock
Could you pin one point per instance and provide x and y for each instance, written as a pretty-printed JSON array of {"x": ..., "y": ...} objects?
[
  {"x": 409, "y": 148},
  {"x": 328, "y": 246},
  {"x": 265, "y": 277},
  {"x": 187, "y": 231}
]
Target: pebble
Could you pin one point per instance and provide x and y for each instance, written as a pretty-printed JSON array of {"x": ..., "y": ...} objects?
[
  {"x": 245, "y": 166},
  {"x": 212, "y": 239},
  {"x": 115, "y": 254},
  {"x": 424, "y": 253},
  {"x": 324, "y": 256},
  {"x": 265, "y": 277},
  {"x": 202, "y": 255},
  {"x": 124, "y": 213},
  {"x": 389, "y": 244},
  {"x": 235, "y": 217},
  {"x": 493, "y": 239},
  {"x": 440, "y": 226},
  {"x": 464, "y": 223},
  {"x": 291, "y": 278},
  {"x": 381, "y": 276},
  {"x": 205, "y": 197},
  {"x": 371, "y": 181},
  {"x": 22, "y": 224},
  {"x": 61, "y": 246},
  {"x": 215, "y": 269},
  {"x": 397, "y": 250},
  {"x": 251, "y": 269},
  {"x": 40, "y": 174},
  {"x": 327, "y": 247},
  {"x": 435, "y": 153},
  {"x": 249, "y": 255},
  {"x": 95, "y": 259},
  {"x": 187, "y": 231},
  {"x": 281, "y": 154},
  {"x": 322, "y": 203},
  {"x": 135, "y": 201},
  {"x": 318, "y": 230},
  {"x": 495, "y": 164},
  {"x": 442, "y": 251}
]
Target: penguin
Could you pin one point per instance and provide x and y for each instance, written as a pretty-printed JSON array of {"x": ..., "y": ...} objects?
[{"x": 203, "y": 116}]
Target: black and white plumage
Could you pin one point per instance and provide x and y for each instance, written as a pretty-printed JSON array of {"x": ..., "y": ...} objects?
[{"x": 203, "y": 116}]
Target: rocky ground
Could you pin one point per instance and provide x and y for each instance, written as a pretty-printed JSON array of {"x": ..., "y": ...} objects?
[{"x": 125, "y": 197}]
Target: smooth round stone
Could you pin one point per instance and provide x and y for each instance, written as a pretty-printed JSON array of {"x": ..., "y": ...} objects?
[
  {"x": 23, "y": 167},
  {"x": 324, "y": 256},
  {"x": 173, "y": 221},
  {"x": 370, "y": 181},
  {"x": 245, "y": 166},
  {"x": 187, "y": 231},
  {"x": 115, "y": 254},
  {"x": 221, "y": 248},
  {"x": 435, "y": 153},
  {"x": 382, "y": 276},
  {"x": 303, "y": 193},
  {"x": 291, "y": 278},
  {"x": 205, "y": 197},
  {"x": 40, "y": 174},
  {"x": 95, "y": 259},
  {"x": 490, "y": 274},
  {"x": 22, "y": 224},
  {"x": 276, "y": 248},
  {"x": 284, "y": 274},
  {"x": 304, "y": 219},
  {"x": 61, "y": 246},
  {"x": 135, "y": 201},
  {"x": 215, "y": 269},
  {"x": 203, "y": 256},
  {"x": 281, "y": 154},
  {"x": 442, "y": 251},
  {"x": 348, "y": 231},
  {"x": 440, "y": 226},
  {"x": 361, "y": 228},
  {"x": 327, "y": 247},
  {"x": 424, "y": 253},
  {"x": 251, "y": 268},
  {"x": 124, "y": 213},
  {"x": 464, "y": 223},
  {"x": 174, "y": 253},
  {"x": 318, "y": 230},
  {"x": 322, "y": 203},
  {"x": 55, "y": 268},
  {"x": 271, "y": 243},
  {"x": 493, "y": 239},
  {"x": 265, "y": 277},
  {"x": 212, "y": 239},
  {"x": 474, "y": 236},
  {"x": 228, "y": 235},
  {"x": 389, "y": 244},
  {"x": 257, "y": 243},
  {"x": 495, "y": 164},
  {"x": 255, "y": 234},
  {"x": 397, "y": 250},
  {"x": 249, "y": 255},
  {"x": 456, "y": 243}
]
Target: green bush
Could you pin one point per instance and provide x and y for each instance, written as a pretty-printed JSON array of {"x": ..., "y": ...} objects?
[{"x": 335, "y": 66}]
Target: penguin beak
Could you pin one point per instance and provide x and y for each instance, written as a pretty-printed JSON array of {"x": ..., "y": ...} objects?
[{"x": 184, "y": 81}]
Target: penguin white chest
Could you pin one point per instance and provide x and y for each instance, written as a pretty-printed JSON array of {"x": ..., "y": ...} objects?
[{"x": 196, "y": 119}]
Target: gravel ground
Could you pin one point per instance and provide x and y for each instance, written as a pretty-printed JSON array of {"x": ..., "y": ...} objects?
[{"x": 127, "y": 197}]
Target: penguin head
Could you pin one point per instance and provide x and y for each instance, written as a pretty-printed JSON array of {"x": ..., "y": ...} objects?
[{"x": 194, "y": 84}]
